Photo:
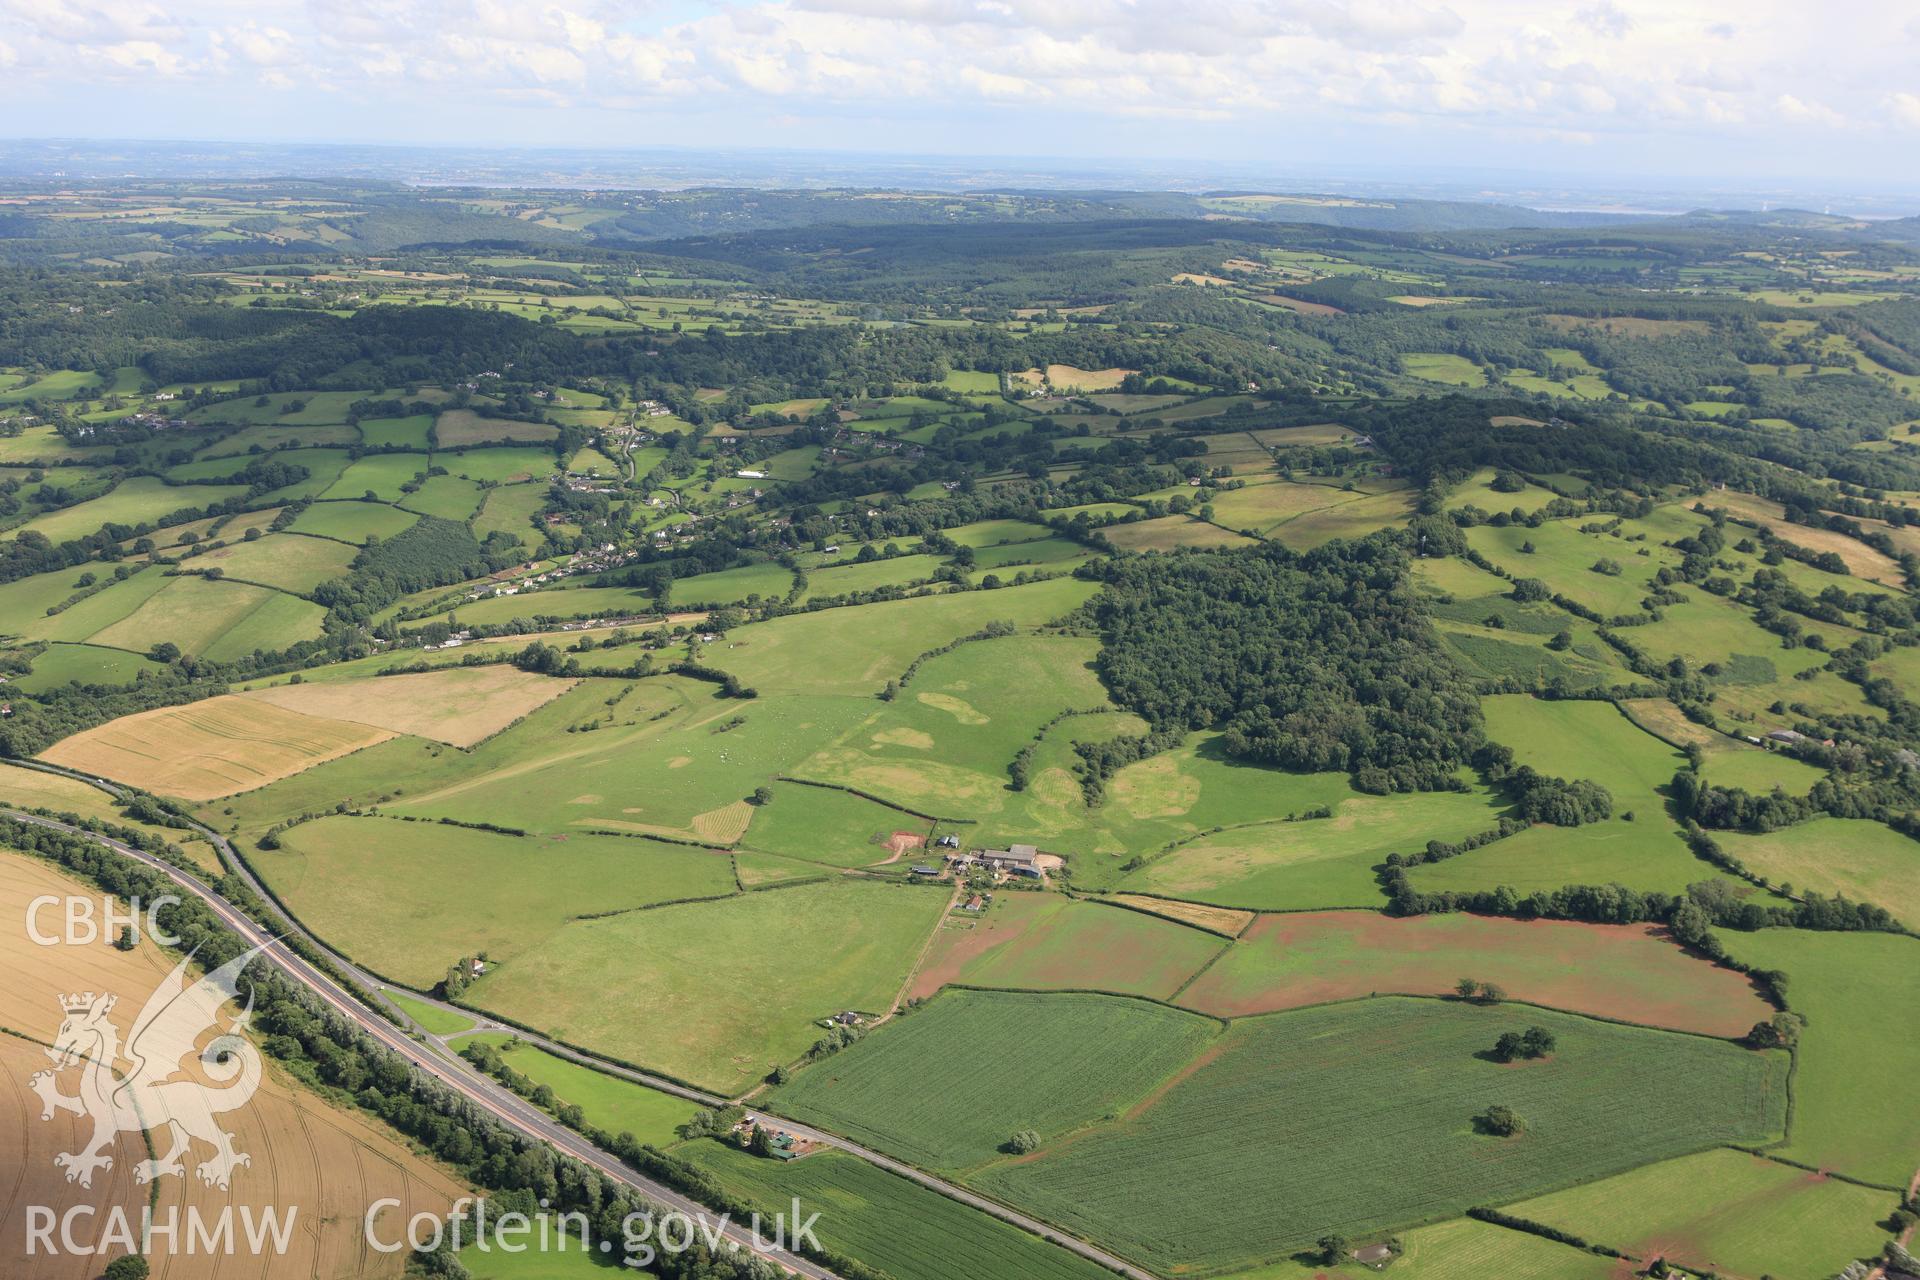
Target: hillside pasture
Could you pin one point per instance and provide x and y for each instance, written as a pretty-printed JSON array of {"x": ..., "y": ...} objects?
[
  {"x": 1724, "y": 1211},
  {"x": 285, "y": 561},
  {"x": 457, "y": 428},
  {"x": 857, "y": 650},
  {"x": 64, "y": 664},
  {"x": 1314, "y": 862},
  {"x": 717, "y": 993},
  {"x": 1632, "y": 973},
  {"x": 212, "y": 617},
  {"x": 1166, "y": 533},
  {"x": 1851, "y": 857},
  {"x": 380, "y": 474},
  {"x": 134, "y": 501},
  {"x": 205, "y": 750},
  {"x": 353, "y": 522},
  {"x": 832, "y": 827}
]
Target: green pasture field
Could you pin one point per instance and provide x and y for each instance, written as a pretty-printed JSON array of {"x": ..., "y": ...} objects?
[
  {"x": 1510, "y": 654},
  {"x": 1463, "y": 1249},
  {"x": 449, "y": 497},
  {"x": 1478, "y": 491},
  {"x": 1455, "y": 371},
  {"x": 380, "y": 474},
  {"x": 764, "y": 579},
  {"x": 134, "y": 501},
  {"x": 554, "y": 602},
  {"x": 1261, "y": 507},
  {"x": 590, "y": 461},
  {"x": 992, "y": 533},
  {"x": 410, "y": 432},
  {"x": 64, "y": 664},
  {"x": 1317, "y": 862},
  {"x": 1046, "y": 942},
  {"x": 459, "y": 427},
  {"x": 1169, "y": 532},
  {"x": 62, "y": 384},
  {"x": 1593, "y": 740},
  {"x": 613, "y": 1104},
  {"x": 1852, "y": 1098},
  {"x": 26, "y": 600},
  {"x": 287, "y": 561},
  {"x": 718, "y": 993},
  {"x": 1630, "y": 973},
  {"x": 1759, "y": 771},
  {"x": 377, "y": 889},
  {"x": 41, "y": 443},
  {"x": 319, "y": 407},
  {"x": 510, "y": 509},
  {"x": 212, "y": 618},
  {"x": 274, "y": 439},
  {"x": 819, "y": 824},
  {"x": 324, "y": 467},
  {"x": 278, "y": 621},
  {"x": 972, "y": 382},
  {"x": 1340, "y": 1122},
  {"x": 81, "y": 621},
  {"x": 1354, "y": 519},
  {"x": 437, "y": 1021},
  {"x": 707, "y": 757},
  {"x": 1458, "y": 578},
  {"x": 933, "y": 1087},
  {"x": 1563, "y": 558},
  {"x": 944, "y": 744},
  {"x": 899, "y": 571},
  {"x": 352, "y": 521},
  {"x": 908, "y": 1231},
  {"x": 1040, "y": 551},
  {"x": 857, "y": 650},
  {"x": 1852, "y": 857},
  {"x": 1648, "y": 854},
  {"x": 1724, "y": 1211},
  {"x": 502, "y": 466}
]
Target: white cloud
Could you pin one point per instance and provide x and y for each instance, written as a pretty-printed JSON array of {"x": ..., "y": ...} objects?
[{"x": 1574, "y": 69}]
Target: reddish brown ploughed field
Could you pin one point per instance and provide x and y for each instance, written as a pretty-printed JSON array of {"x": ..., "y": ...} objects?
[{"x": 1630, "y": 972}]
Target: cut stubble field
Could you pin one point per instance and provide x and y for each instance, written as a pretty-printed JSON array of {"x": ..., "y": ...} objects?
[
  {"x": 207, "y": 750},
  {"x": 460, "y": 706}
]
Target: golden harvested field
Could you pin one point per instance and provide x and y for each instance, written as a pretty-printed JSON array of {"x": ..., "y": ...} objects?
[
  {"x": 323, "y": 1164},
  {"x": 1064, "y": 377},
  {"x": 206, "y": 750},
  {"x": 459, "y": 706},
  {"x": 1861, "y": 559},
  {"x": 1664, "y": 720},
  {"x": 1219, "y": 919},
  {"x": 1169, "y": 532}
]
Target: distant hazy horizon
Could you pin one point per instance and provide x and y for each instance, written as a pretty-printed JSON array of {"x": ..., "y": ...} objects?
[{"x": 665, "y": 167}]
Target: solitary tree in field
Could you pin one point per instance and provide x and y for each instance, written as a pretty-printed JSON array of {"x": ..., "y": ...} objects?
[
  {"x": 1538, "y": 1042},
  {"x": 1499, "y": 1121},
  {"x": 1023, "y": 1142},
  {"x": 1507, "y": 1047},
  {"x": 1467, "y": 988},
  {"x": 131, "y": 1267},
  {"x": 1333, "y": 1250},
  {"x": 762, "y": 795}
]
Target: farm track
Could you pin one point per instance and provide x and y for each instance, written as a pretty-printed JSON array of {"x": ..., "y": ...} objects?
[{"x": 446, "y": 1066}]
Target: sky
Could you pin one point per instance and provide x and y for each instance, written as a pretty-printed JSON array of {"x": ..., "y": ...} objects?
[{"x": 1670, "y": 88}]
